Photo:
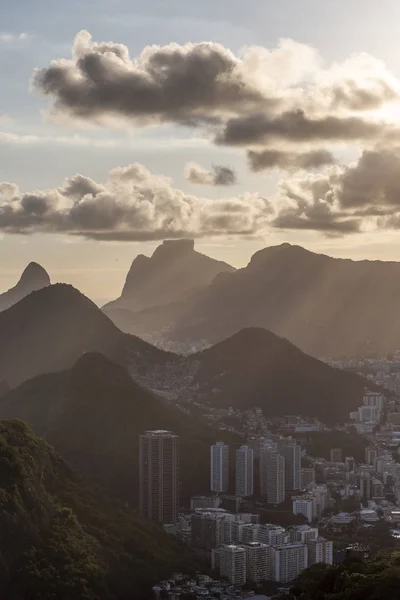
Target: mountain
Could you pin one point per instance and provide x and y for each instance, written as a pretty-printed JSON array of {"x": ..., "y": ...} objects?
[
  {"x": 326, "y": 306},
  {"x": 33, "y": 278},
  {"x": 63, "y": 538},
  {"x": 93, "y": 414},
  {"x": 173, "y": 272},
  {"x": 51, "y": 328},
  {"x": 257, "y": 368}
]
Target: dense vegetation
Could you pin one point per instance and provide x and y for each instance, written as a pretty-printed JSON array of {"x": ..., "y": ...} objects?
[
  {"x": 62, "y": 538},
  {"x": 354, "y": 579},
  {"x": 351, "y": 444}
]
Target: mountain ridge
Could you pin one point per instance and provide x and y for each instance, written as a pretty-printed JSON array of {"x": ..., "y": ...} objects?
[{"x": 33, "y": 278}]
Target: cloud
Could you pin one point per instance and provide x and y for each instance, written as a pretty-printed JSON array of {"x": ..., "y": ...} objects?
[
  {"x": 188, "y": 83},
  {"x": 267, "y": 160},
  {"x": 208, "y": 85},
  {"x": 296, "y": 127},
  {"x": 6, "y": 37},
  {"x": 363, "y": 196},
  {"x": 132, "y": 205},
  {"x": 219, "y": 175}
]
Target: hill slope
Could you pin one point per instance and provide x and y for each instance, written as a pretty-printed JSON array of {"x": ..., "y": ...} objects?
[
  {"x": 33, "y": 278},
  {"x": 257, "y": 368},
  {"x": 325, "y": 306},
  {"x": 93, "y": 415},
  {"x": 173, "y": 271},
  {"x": 51, "y": 328},
  {"x": 61, "y": 538}
]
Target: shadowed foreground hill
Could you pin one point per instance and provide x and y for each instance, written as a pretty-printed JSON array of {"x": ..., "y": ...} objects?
[
  {"x": 325, "y": 306},
  {"x": 257, "y": 368},
  {"x": 93, "y": 415},
  {"x": 61, "y": 538},
  {"x": 33, "y": 278},
  {"x": 51, "y": 328}
]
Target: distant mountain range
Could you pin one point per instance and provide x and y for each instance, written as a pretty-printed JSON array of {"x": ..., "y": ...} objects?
[
  {"x": 172, "y": 273},
  {"x": 33, "y": 278},
  {"x": 325, "y": 306},
  {"x": 63, "y": 538},
  {"x": 51, "y": 329}
]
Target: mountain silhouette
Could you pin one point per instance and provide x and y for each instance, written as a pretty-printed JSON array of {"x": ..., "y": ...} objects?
[
  {"x": 325, "y": 306},
  {"x": 256, "y": 368},
  {"x": 53, "y": 327},
  {"x": 94, "y": 413},
  {"x": 33, "y": 278},
  {"x": 173, "y": 272}
]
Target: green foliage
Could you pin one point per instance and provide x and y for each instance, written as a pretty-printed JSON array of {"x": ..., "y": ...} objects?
[
  {"x": 63, "y": 538},
  {"x": 352, "y": 444},
  {"x": 354, "y": 579}
]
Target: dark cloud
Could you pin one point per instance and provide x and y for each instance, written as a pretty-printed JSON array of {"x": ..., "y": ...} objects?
[
  {"x": 297, "y": 127},
  {"x": 365, "y": 195},
  {"x": 266, "y": 160},
  {"x": 189, "y": 83},
  {"x": 348, "y": 94},
  {"x": 132, "y": 205},
  {"x": 219, "y": 175}
]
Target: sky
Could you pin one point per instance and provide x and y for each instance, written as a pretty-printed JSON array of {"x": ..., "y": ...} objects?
[{"x": 241, "y": 124}]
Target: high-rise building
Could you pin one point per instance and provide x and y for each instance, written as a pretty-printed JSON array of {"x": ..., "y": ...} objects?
[
  {"x": 320, "y": 550},
  {"x": 273, "y": 465},
  {"x": 292, "y": 454},
  {"x": 304, "y": 506},
  {"x": 210, "y": 529},
  {"x": 257, "y": 561},
  {"x": 244, "y": 472},
  {"x": 371, "y": 454},
  {"x": 288, "y": 561},
  {"x": 336, "y": 455},
  {"x": 366, "y": 485},
  {"x": 219, "y": 481},
  {"x": 159, "y": 476},
  {"x": 350, "y": 463},
  {"x": 307, "y": 476},
  {"x": 232, "y": 563}
]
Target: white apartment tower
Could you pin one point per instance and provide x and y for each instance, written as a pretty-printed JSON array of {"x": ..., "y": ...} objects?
[
  {"x": 219, "y": 481},
  {"x": 159, "y": 476},
  {"x": 273, "y": 479},
  {"x": 288, "y": 561},
  {"x": 232, "y": 563},
  {"x": 244, "y": 471},
  {"x": 320, "y": 550}
]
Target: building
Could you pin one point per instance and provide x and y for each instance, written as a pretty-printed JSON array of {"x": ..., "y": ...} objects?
[
  {"x": 273, "y": 465},
  {"x": 210, "y": 529},
  {"x": 272, "y": 534},
  {"x": 320, "y": 497},
  {"x": 219, "y": 468},
  {"x": 232, "y": 563},
  {"x": 304, "y": 506},
  {"x": 320, "y": 550},
  {"x": 303, "y": 533},
  {"x": 292, "y": 454},
  {"x": 257, "y": 561},
  {"x": 204, "y": 502},
  {"x": 366, "y": 485},
  {"x": 288, "y": 561},
  {"x": 371, "y": 454},
  {"x": 307, "y": 476},
  {"x": 336, "y": 455},
  {"x": 244, "y": 472},
  {"x": 350, "y": 464},
  {"x": 375, "y": 399},
  {"x": 159, "y": 476}
]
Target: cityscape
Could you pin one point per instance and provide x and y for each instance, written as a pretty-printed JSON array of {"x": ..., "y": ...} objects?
[{"x": 229, "y": 528}]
